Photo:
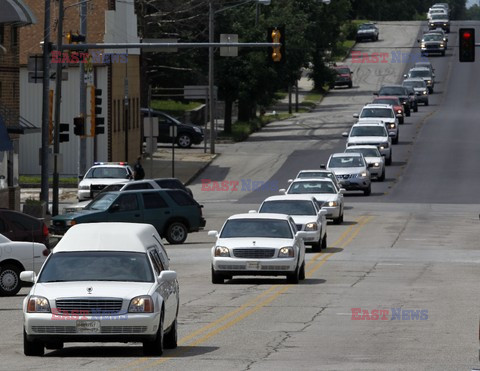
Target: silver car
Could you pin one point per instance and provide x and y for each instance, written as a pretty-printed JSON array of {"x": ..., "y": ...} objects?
[
  {"x": 420, "y": 87},
  {"x": 375, "y": 161},
  {"x": 423, "y": 73},
  {"x": 351, "y": 171}
]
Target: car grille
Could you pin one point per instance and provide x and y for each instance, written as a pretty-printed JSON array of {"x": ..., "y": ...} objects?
[
  {"x": 98, "y": 306},
  {"x": 299, "y": 227},
  {"x": 347, "y": 176},
  {"x": 58, "y": 223},
  {"x": 97, "y": 187},
  {"x": 123, "y": 329},
  {"x": 54, "y": 329},
  {"x": 433, "y": 46},
  {"x": 343, "y": 78},
  {"x": 254, "y": 253}
]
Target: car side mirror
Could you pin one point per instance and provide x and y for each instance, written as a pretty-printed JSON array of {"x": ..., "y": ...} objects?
[
  {"x": 289, "y": 180},
  {"x": 213, "y": 233},
  {"x": 342, "y": 190},
  {"x": 114, "y": 207},
  {"x": 356, "y": 115},
  {"x": 433, "y": 75},
  {"x": 418, "y": 40},
  {"x": 252, "y": 211},
  {"x": 375, "y": 93},
  {"x": 345, "y": 134},
  {"x": 81, "y": 177},
  {"x": 282, "y": 190},
  {"x": 322, "y": 212},
  {"x": 351, "y": 72},
  {"x": 27, "y": 276},
  {"x": 405, "y": 76},
  {"x": 168, "y": 276},
  {"x": 302, "y": 234},
  {"x": 323, "y": 166}
]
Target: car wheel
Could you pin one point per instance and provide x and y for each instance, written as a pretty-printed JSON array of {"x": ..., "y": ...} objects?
[
  {"x": 395, "y": 140},
  {"x": 32, "y": 348},
  {"x": 170, "y": 338},
  {"x": 388, "y": 161},
  {"x": 401, "y": 120},
  {"x": 430, "y": 90},
  {"x": 301, "y": 275},
  {"x": 350, "y": 85},
  {"x": 317, "y": 246},
  {"x": 443, "y": 53},
  {"x": 216, "y": 278},
  {"x": 294, "y": 277},
  {"x": 381, "y": 178},
  {"x": 155, "y": 347},
  {"x": 407, "y": 112},
  {"x": 10, "y": 282},
  {"x": 324, "y": 242},
  {"x": 426, "y": 102},
  {"x": 184, "y": 140},
  {"x": 176, "y": 233},
  {"x": 415, "y": 109},
  {"x": 368, "y": 191}
]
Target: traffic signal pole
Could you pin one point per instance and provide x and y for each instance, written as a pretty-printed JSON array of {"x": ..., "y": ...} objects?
[
  {"x": 82, "y": 158},
  {"x": 58, "y": 100}
]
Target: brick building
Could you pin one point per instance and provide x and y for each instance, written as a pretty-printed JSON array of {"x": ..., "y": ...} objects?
[
  {"x": 116, "y": 73},
  {"x": 14, "y": 15}
]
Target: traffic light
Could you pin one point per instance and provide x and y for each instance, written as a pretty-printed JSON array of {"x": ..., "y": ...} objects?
[
  {"x": 75, "y": 38},
  {"x": 96, "y": 123},
  {"x": 79, "y": 126},
  {"x": 467, "y": 45},
  {"x": 276, "y": 35},
  {"x": 62, "y": 136},
  {"x": 50, "y": 117}
]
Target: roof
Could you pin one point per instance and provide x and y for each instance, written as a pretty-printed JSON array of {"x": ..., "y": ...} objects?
[
  {"x": 297, "y": 197},
  {"x": 316, "y": 171},
  {"x": 16, "y": 12},
  {"x": 370, "y": 121},
  {"x": 377, "y": 105},
  {"x": 259, "y": 216},
  {"x": 109, "y": 236},
  {"x": 297, "y": 180},
  {"x": 343, "y": 154}
]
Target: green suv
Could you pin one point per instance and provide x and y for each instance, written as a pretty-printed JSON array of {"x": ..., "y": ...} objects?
[{"x": 172, "y": 212}]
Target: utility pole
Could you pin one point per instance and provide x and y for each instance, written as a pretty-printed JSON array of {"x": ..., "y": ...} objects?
[
  {"x": 83, "y": 93},
  {"x": 58, "y": 101},
  {"x": 45, "y": 105},
  {"x": 211, "y": 27}
]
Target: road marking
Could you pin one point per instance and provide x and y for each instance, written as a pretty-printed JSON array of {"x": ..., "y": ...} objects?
[{"x": 272, "y": 293}]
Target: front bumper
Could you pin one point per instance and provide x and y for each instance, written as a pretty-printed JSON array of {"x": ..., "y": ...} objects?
[
  {"x": 355, "y": 184},
  {"x": 365, "y": 36},
  {"x": 254, "y": 267},
  {"x": 422, "y": 98},
  {"x": 111, "y": 328}
]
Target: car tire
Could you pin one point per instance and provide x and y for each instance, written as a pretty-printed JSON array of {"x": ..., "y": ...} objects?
[
  {"x": 170, "y": 338},
  {"x": 407, "y": 113},
  {"x": 184, "y": 140},
  {"x": 388, "y": 161},
  {"x": 301, "y": 274},
  {"x": 368, "y": 191},
  {"x": 155, "y": 347},
  {"x": 381, "y": 178},
  {"x": 32, "y": 348},
  {"x": 294, "y": 277},
  {"x": 177, "y": 233},
  {"x": 317, "y": 246},
  {"x": 430, "y": 90},
  {"x": 395, "y": 140},
  {"x": 426, "y": 102},
  {"x": 401, "y": 120},
  {"x": 217, "y": 278},
  {"x": 443, "y": 53},
  {"x": 324, "y": 242},
  {"x": 415, "y": 109},
  {"x": 350, "y": 85},
  {"x": 10, "y": 283}
]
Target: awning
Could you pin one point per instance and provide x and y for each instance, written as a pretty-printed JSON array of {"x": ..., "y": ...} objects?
[
  {"x": 15, "y": 11},
  {"x": 5, "y": 142}
]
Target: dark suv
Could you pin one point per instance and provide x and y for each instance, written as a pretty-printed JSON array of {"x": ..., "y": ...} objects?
[
  {"x": 404, "y": 95},
  {"x": 187, "y": 134},
  {"x": 343, "y": 76},
  {"x": 172, "y": 212}
]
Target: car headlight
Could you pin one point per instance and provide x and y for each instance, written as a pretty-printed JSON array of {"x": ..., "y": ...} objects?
[
  {"x": 311, "y": 226},
  {"x": 441, "y": 45},
  {"x": 84, "y": 187},
  {"x": 399, "y": 111},
  {"x": 38, "y": 304},
  {"x": 444, "y": 24},
  {"x": 383, "y": 145},
  {"x": 221, "y": 251},
  {"x": 141, "y": 304},
  {"x": 429, "y": 81},
  {"x": 71, "y": 222},
  {"x": 376, "y": 164},
  {"x": 286, "y": 252},
  {"x": 363, "y": 174},
  {"x": 332, "y": 203},
  {"x": 422, "y": 45},
  {"x": 392, "y": 125},
  {"x": 424, "y": 92}
]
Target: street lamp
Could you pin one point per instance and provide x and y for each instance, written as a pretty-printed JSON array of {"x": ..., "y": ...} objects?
[{"x": 211, "y": 30}]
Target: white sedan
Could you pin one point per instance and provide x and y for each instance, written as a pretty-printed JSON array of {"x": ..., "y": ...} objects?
[
  {"x": 258, "y": 245},
  {"x": 15, "y": 257},
  {"x": 306, "y": 214},
  {"x": 104, "y": 282},
  {"x": 326, "y": 193},
  {"x": 373, "y": 158}
]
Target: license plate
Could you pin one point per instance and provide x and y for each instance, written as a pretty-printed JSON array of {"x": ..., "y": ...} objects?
[
  {"x": 88, "y": 327},
  {"x": 253, "y": 265}
]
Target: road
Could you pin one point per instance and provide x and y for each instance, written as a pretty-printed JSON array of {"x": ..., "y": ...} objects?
[{"x": 412, "y": 245}]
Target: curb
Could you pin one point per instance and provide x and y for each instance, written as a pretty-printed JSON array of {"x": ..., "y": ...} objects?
[{"x": 201, "y": 169}]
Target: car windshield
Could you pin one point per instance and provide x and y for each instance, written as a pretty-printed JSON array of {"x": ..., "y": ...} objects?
[
  {"x": 368, "y": 131},
  {"x": 305, "y": 187},
  {"x": 318, "y": 174},
  {"x": 290, "y": 207},
  {"x": 107, "y": 172},
  {"x": 343, "y": 71},
  {"x": 102, "y": 201},
  {"x": 97, "y": 266},
  {"x": 433, "y": 37},
  {"x": 415, "y": 84},
  {"x": 425, "y": 65},
  {"x": 345, "y": 161},
  {"x": 439, "y": 16},
  {"x": 392, "y": 90},
  {"x": 268, "y": 228},
  {"x": 420, "y": 73},
  {"x": 366, "y": 27},
  {"x": 367, "y": 152},
  {"x": 377, "y": 112}
]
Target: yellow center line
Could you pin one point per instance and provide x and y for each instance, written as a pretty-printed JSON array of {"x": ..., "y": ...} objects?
[{"x": 351, "y": 232}]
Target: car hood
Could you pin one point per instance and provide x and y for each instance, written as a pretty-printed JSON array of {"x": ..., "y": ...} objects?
[
  {"x": 367, "y": 140},
  {"x": 371, "y": 160},
  {"x": 76, "y": 214},
  {"x": 106, "y": 181},
  {"x": 347, "y": 170},
  {"x": 420, "y": 89},
  {"x": 303, "y": 219},
  {"x": 254, "y": 242},
  {"x": 99, "y": 289}
]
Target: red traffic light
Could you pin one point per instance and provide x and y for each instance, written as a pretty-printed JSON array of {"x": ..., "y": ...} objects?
[
  {"x": 466, "y": 45},
  {"x": 466, "y": 35}
]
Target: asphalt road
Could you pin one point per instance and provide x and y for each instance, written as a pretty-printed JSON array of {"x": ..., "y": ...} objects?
[{"x": 412, "y": 245}]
